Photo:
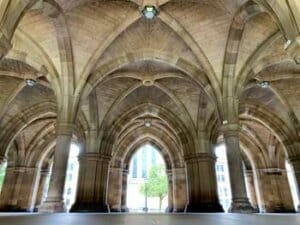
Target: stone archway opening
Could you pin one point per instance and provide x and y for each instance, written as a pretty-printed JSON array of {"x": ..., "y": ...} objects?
[
  {"x": 2, "y": 174},
  {"x": 71, "y": 179},
  {"x": 293, "y": 184},
  {"x": 147, "y": 181},
  {"x": 222, "y": 174}
]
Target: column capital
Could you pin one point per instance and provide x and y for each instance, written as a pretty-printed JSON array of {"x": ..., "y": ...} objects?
[
  {"x": 199, "y": 157},
  {"x": 44, "y": 172},
  {"x": 271, "y": 171},
  {"x": 293, "y": 49},
  {"x": 65, "y": 128},
  {"x": 93, "y": 156},
  {"x": 230, "y": 129}
]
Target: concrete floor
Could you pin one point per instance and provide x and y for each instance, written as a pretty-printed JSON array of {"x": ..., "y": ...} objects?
[{"x": 149, "y": 219}]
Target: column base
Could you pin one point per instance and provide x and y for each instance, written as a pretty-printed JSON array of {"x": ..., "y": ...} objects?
[
  {"x": 241, "y": 206},
  {"x": 12, "y": 208},
  {"x": 280, "y": 209},
  {"x": 169, "y": 210},
  {"x": 298, "y": 209},
  {"x": 89, "y": 207},
  {"x": 124, "y": 209},
  {"x": 179, "y": 210},
  {"x": 206, "y": 207},
  {"x": 53, "y": 207}
]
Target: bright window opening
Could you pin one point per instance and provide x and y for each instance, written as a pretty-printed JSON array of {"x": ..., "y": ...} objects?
[
  {"x": 292, "y": 182},
  {"x": 223, "y": 182},
  {"x": 2, "y": 174},
  {"x": 71, "y": 176},
  {"x": 147, "y": 187}
]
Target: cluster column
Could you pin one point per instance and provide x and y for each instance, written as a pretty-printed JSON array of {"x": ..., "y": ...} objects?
[
  {"x": 92, "y": 186},
  {"x": 202, "y": 184},
  {"x": 124, "y": 207},
  {"x": 55, "y": 200},
  {"x": 44, "y": 173},
  {"x": 240, "y": 202},
  {"x": 251, "y": 189},
  {"x": 295, "y": 161},
  {"x": 275, "y": 194},
  {"x": 19, "y": 189},
  {"x": 170, "y": 191},
  {"x": 115, "y": 189},
  {"x": 179, "y": 189}
]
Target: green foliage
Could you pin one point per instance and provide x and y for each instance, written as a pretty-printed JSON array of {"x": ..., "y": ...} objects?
[
  {"x": 157, "y": 183},
  {"x": 2, "y": 175}
]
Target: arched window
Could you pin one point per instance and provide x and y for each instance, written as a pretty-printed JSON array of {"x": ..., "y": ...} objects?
[
  {"x": 147, "y": 187},
  {"x": 71, "y": 176},
  {"x": 223, "y": 182}
]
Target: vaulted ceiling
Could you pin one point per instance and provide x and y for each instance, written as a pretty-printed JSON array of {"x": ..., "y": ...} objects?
[{"x": 184, "y": 64}]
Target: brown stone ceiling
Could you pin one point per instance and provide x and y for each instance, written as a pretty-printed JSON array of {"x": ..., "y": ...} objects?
[{"x": 189, "y": 60}]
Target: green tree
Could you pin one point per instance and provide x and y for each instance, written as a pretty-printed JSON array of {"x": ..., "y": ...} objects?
[
  {"x": 157, "y": 184},
  {"x": 2, "y": 175}
]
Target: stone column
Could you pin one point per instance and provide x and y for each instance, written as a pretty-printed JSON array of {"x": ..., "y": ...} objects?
[
  {"x": 202, "y": 185},
  {"x": 275, "y": 192},
  {"x": 240, "y": 202},
  {"x": 55, "y": 201},
  {"x": 295, "y": 162},
  {"x": 92, "y": 186},
  {"x": 251, "y": 189},
  {"x": 44, "y": 173},
  {"x": 19, "y": 189},
  {"x": 179, "y": 189},
  {"x": 28, "y": 189},
  {"x": 11, "y": 189},
  {"x": 124, "y": 207},
  {"x": 115, "y": 189},
  {"x": 170, "y": 191}
]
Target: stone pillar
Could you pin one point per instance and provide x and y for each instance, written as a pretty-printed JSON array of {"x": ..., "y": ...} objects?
[
  {"x": 202, "y": 185},
  {"x": 240, "y": 202},
  {"x": 170, "y": 191},
  {"x": 179, "y": 189},
  {"x": 92, "y": 186},
  {"x": 295, "y": 162},
  {"x": 28, "y": 189},
  {"x": 124, "y": 207},
  {"x": 251, "y": 189},
  {"x": 19, "y": 189},
  {"x": 44, "y": 173},
  {"x": 115, "y": 189},
  {"x": 11, "y": 189},
  {"x": 55, "y": 201},
  {"x": 275, "y": 194}
]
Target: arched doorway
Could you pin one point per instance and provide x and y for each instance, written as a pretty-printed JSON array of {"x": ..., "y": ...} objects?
[
  {"x": 120, "y": 171},
  {"x": 147, "y": 181}
]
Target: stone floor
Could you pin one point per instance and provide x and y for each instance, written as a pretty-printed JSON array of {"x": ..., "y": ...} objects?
[{"x": 149, "y": 219}]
